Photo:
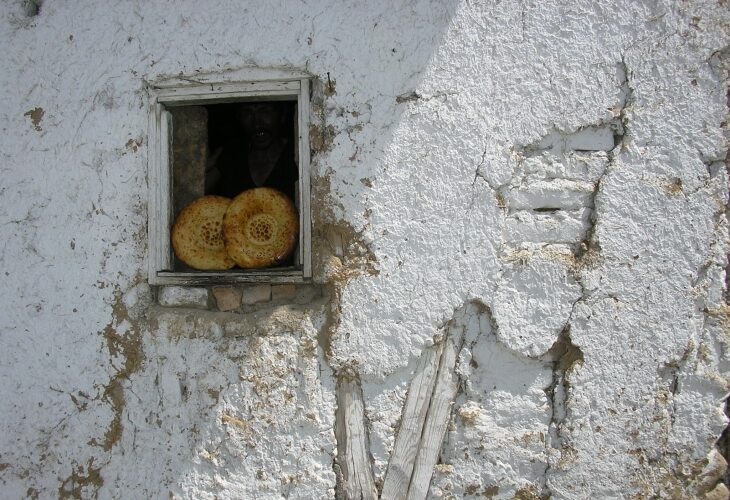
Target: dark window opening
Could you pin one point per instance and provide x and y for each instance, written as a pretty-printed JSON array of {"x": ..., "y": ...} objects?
[
  {"x": 252, "y": 145},
  {"x": 225, "y": 149}
]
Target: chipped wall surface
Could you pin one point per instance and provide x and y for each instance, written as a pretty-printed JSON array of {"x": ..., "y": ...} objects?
[{"x": 519, "y": 248}]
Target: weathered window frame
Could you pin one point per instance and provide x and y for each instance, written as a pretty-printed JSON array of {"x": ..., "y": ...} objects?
[{"x": 160, "y": 214}]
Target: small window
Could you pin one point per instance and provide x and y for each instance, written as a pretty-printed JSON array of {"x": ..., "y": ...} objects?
[{"x": 208, "y": 139}]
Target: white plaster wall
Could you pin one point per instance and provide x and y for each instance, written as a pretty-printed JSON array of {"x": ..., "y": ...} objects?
[{"x": 444, "y": 125}]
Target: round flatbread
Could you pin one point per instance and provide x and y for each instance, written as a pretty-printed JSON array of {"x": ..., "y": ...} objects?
[
  {"x": 260, "y": 228},
  {"x": 197, "y": 235}
]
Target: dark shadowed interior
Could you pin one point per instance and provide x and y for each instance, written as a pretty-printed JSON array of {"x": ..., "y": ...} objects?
[{"x": 225, "y": 149}]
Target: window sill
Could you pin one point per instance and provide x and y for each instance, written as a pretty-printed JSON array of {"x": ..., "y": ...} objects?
[{"x": 204, "y": 278}]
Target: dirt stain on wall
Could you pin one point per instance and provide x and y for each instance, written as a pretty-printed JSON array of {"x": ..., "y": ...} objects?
[
  {"x": 128, "y": 346},
  {"x": 80, "y": 479},
  {"x": 36, "y": 115}
]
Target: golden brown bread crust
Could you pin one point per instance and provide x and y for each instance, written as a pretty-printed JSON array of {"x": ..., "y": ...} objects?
[
  {"x": 260, "y": 228},
  {"x": 197, "y": 236}
]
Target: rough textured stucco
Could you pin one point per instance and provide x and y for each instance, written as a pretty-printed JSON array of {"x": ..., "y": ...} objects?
[{"x": 551, "y": 176}]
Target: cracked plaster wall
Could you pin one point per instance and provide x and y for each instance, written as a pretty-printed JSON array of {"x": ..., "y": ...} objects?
[{"x": 551, "y": 176}]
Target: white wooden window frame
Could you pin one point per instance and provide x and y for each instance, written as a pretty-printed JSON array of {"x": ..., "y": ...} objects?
[{"x": 160, "y": 212}]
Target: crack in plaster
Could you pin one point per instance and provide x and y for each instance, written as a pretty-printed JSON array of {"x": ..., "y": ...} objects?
[
  {"x": 723, "y": 443},
  {"x": 564, "y": 356},
  {"x": 719, "y": 63}
]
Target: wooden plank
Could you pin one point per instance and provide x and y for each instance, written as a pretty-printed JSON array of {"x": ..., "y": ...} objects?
[
  {"x": 224, "y": 278},
  {"x": 353, "y": 457},
  {"x": 158, "y": 211},
  {"x": 437, "y": 419},
  {"x": 215, "y": 90},
  {"x": 305, "y": 216},
  {"x": 402, "y": 460},
  {"x": 235, "y": 77},
  {"x": 298, "y": 204},
  {"x": 165, "y": 212},
  {"x": 200, "y": 99},
  {"x": 153, "y": 137}
]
